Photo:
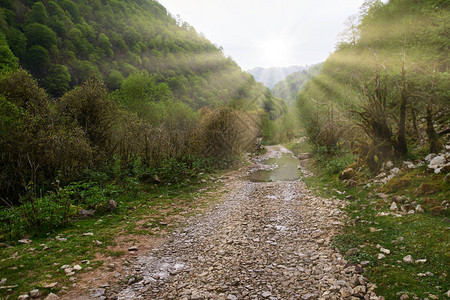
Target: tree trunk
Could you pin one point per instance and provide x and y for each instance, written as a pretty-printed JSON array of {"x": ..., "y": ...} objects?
[
  {"x": 401, "y": 147},
  {"x": 435, "y": 145}
]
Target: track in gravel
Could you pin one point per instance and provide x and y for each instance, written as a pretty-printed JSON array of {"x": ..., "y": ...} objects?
[{"x": 266, "y": 240}]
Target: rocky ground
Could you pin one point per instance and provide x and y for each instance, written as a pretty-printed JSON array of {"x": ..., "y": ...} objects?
[{"x": 265, "y": 240}]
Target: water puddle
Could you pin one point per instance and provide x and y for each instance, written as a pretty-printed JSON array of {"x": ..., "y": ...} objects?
[{"x": 286, "y": 170}]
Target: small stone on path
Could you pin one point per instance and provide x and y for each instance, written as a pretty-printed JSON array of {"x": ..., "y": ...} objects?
[
  {"x": 51, "y": 296},
  {"x": 408, "y": 259}
]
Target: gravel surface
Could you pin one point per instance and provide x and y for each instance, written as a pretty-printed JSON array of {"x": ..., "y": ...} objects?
[{"x": 269, "y": 240}]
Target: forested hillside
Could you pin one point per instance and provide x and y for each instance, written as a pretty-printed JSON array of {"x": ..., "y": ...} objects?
[
  {"x": 87, "y": 84},
  {"x": 289, "y": 88},
  {"x": 63, "y": 43},
  {"x": 385, "y": 91}
]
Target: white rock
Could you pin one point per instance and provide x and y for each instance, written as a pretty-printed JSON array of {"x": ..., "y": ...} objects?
[
  {"x": 60, "y": 239},
  {"x": 408, "y": 259},
  {"x": 77, "y": 267},
  {"x": 51, "y": 296},
  {"x": 437, "y": 162},
  {"x": 430, "y": 157},
  {"x": 68, "y": 270},
  {"x": 409, "y": 165},
  {"x": 395, "y": 171},
  {"x": 25, "y": 241},
  {"x": 389, "y": 165},
  {"x": 419, "y": 208},
  {"x": 385, "y": 251},
  {"x": 35, "y": 293},
  {"x": 50, "y": 285},
  {"x": 88, "y": 234},
  {"x": 393, "y": 206},
  {"x": 381, "y": 175},
  {"x": 3, "y": 281},
  {"x": 381, "y": 256},
  {"x": 65, "y": 266},
  {"x": 421, "y": 261},
  {"x": 23, "y": 297}
]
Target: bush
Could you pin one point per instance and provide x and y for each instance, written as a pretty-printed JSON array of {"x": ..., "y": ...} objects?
[
  {"x": 36, "y": 143},
  {"x": 227, "y": 133},
  {"x": 54, "y": 210}
]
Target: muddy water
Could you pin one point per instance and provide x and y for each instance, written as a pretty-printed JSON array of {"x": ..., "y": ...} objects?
[{"x": 285, "y": 170}]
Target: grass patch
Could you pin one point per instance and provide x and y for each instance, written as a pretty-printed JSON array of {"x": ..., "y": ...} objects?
[
  {"x": 142, "y": 211},
  {"x": 423, "y": 235}
]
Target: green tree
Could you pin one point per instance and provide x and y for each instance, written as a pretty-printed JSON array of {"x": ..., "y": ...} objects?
[
  {"x": 38, "y": 34},
  {"x": 72, "y": 9},
  {"x": 17, "y": 42},
  {"x": 57, "y": 82},
  {"x": 37, "y": 61},
  {"x": 8, "y": 61},
  {"x": 114, "y": 80},
  {"x": 105, "y": 44},
  {"x": 37, "y": 14}
]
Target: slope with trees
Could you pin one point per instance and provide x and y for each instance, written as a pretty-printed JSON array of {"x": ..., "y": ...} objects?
[
  {"x": 384, "y": 84},
  {"x": 99, "y": 91},
  {"x": 291, "y": 86}
]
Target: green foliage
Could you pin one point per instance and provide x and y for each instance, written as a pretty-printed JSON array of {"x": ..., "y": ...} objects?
[
  {"x": 17, "y": 42},
  {"x": 37, "y": 14},
  {"x": 37, "y": 60},
  {"x": 56, "y": 209},
  {"x": 108, "y": 38},
  {"x": 58, "y": 80},
  {"x": 164, "y": 76},
  {"x": 39, "y": 34},
  {"x": 114, "y": 80},
  {"x": 91, "y": 109},
  {"x": 182, "y": 169},
  {"x": 35, "y": 142},
  {"x": 8, "y": 61}
]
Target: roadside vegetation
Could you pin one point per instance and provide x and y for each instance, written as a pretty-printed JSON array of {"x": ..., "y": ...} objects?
[
  {"x": 381, "y": 236},
  {"x": 376, "y": 120}
]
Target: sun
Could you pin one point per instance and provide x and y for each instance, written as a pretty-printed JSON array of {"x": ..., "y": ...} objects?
[{"x": 275, "y": 52}]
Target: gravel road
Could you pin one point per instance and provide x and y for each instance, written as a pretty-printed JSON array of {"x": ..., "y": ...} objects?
[{"x": 265, "y": 240}]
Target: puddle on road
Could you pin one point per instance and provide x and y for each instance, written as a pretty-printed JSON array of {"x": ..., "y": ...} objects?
[{"x": 286, "y": 171}]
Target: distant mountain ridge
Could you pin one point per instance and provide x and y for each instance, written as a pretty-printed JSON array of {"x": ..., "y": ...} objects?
[
  {"x": 293, "y": 84},
  {"x": 271, "y": 76}
]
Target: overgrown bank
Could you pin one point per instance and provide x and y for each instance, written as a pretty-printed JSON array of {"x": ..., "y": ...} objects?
[{"x": 396, "y": 230}]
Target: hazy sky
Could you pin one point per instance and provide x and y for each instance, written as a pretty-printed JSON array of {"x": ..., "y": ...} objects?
[{"x": 268, "y": 33}]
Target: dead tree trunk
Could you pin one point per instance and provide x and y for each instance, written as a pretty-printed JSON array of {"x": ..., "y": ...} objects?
[
  {"x": 433, "y": 140},
  {"x": 401, "y": 147}
]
